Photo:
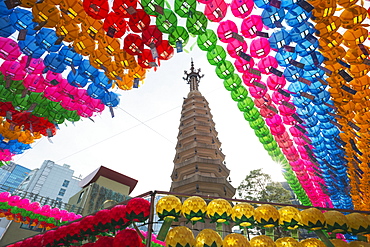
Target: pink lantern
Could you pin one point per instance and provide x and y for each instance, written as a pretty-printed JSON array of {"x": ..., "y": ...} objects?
[
  {"x": 84, "y": 111},
  {"x": 34, "y": 66},
  {"x": 33, "y": 206},
  {"x": 274, "y": 121},
  {"x": 96, "y": 105},
  {"x": 249, "y": 78},
  {"x": 286, "y": 111},
  {"x": 289, "y": 120},
  {"x": 216, "y": 10},
  {"x": 275, "y": 82},
  {"x": 295, "y": 132},
  {"x": 243, "y": 65},
  {"x": 277, "y": 130},
  {"x": 266, "y": 63},
  {"x": 236, "y": 46},
  {"x": 279, "y": 98},
  {"x": 66, "y": 89},
  {"x": 251, "y": 25},
  {"x": 298, "y": 165},
  {"x": 260, "y": 48},
  {"x": 241, "y": 8},
  {"x": 81, "y": 96},
  {"x": 24, "y": 203},
  {"x": 300, "y": 141},
  {"x": 264, "y": 101},
  {"x": 6, "y": 155},
  {"x": 52, "y": 78},
  {"x": 68, "y": 103},
  {"x": 34, "y": 83},
  {"x": 266, "y": 112},
  {"x": 9, "y": 49},
  {"x": 14, "y": 200},
  {"x": 283, "y": 142},
  {"x": 53, "y": 94},
  {"x": 12, "y": 69},
  {"x": 4, "y": 196},
  {"x": 257, "y": 91},
  {"x": 225, "y": 31},
  {"x": 290, "y": 153}
]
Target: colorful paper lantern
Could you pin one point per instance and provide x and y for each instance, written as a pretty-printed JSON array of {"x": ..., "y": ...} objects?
[
  {"x": 287, "y": 242},
  {"x": 194, "y": 209},
  {"x": 243, "y": 213},
  {"x": 262, "y": 241},
  {"x": 180, "y": 236},
  {"x": 208, "y": 237},
  {"x": 312, "y": 219},
  {"x": 336, "y": 221},
  {"x": 266, "y": 216},
  {"x": 311, "y": 242},
  {"x": 235, "y": 240},
  {"x": 289, "y": 217}
]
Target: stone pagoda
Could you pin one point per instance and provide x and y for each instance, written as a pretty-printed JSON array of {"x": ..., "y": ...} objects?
[{"x": 199, "y": 166}]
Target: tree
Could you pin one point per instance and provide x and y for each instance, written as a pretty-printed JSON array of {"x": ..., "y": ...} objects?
[{"x": 258, "y": 186}]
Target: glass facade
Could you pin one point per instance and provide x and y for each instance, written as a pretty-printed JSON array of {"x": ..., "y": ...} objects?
[{"x": 12, "y": 176}]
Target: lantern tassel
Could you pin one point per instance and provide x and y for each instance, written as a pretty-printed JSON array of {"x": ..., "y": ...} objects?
[
  {"x": 324, "y": 238},
  {"x": 164, "y": 228}
]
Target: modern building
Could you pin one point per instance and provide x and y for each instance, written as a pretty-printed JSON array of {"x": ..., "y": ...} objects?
[
  {"x": 11, "y": 176},
  {"x": 100, "y": 187},
  {"x": 52, "y": 181},
  {"x": 199, "y": 163},
  {"x": 199, "y": 166}
]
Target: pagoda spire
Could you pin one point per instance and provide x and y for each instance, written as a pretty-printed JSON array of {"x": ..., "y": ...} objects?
[{"x": 193, "y": 77}]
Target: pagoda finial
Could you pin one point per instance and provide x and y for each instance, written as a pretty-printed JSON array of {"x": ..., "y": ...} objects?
[{"x": 193, "y": 77}]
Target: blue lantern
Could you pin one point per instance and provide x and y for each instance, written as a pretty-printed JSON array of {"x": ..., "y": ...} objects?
[
  {"x": 297, "y": 87},
  {"x": 77, "y": 80},
  {"x": 321, "y": 97},
  {"x": 4, "y": 11},
  {"x": 305, "y": 47},
  {"x": 87, "y": 70},
  {"x": 70, "y": 56},
  {"x": 279, "y": 39},
  {"x": 6, "y": 27},
  {"x": 300, "y": 101},
  {"x": 272, "y": 15},
  {"x": 292, "y": 73},
  {"x": 296, "y": 16},
  {"x": 111, "y": 99},
  {"x": 23, "y": 19},
  {"x": 301, "y": 31},
  {"x": 54, "y": 62},
  {"x": 309, "y": 63},
  {"x": 283, "y": 57},
  {"x": 30, "y": 47},
  {"x": 263, "y": 4},
  {"x": 95, "y": 91},
  {"x": 103, "y": 81},
  {"x": 46, "y": 39}
]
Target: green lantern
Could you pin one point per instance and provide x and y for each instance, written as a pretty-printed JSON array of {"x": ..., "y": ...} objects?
[
  {"x": 5, "y": 95},
  {"x": 185, "y": 8},
  {"x": 178, "y": 36},
  {"x": 266, "y": 139},
  {"x": 150, "y": 6},
  {"x": 264, "y": 131},
  {"x": 257, "y": 124},
  {"x": 225, "y": 70},
  {"x": 72, "y": 116},
  {"x": 167, "y": 22},
  {"x": 56, "y": 118},
  {"x": 37, "y": 98},
  {"x": 21, "y": 103},
  {"x": 252, "y": 115},
  {"x": 207, "y": 40},
  {"x": 233, "y": 82},
  {"x": 270, "y": 148},
  {"x": 239, "y": 94},
  {"x": 246, "y": 104},
  {"x": 197, "y": 23},
  {"x": 216, "y": 56}
]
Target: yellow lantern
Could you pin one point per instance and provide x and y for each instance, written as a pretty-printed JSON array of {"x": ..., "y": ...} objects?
[
  {"x": 358, "y": 223},
  {"x": 208, "y": 237},
  {"x": 194, "y": 209},
  {"x": 312, "y": 219},
  {"x": 243, "y": 214},
  {"x": 287, "y": 242},
  {"x": 262, "y": 241},
  {"x": 267, "y": 216},
  {"x": 339, "y": 243},
  {"x": 169, "y": 206},
  {"x": 168, "y": 209},
  {"x": 358, "y": 244},
  {"x": 180, "y": 236},
  {"x": 335, "y": 221},
  {"x": 288, "y": 217},
  {"x": 235, "y": 240},
  {"x": 219, "y": 210},
  {"x": 312, "y": 242}
]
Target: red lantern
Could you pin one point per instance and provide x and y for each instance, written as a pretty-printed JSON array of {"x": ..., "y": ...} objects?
[
  {"x": 152, "y": 35},
  {"x": 125, "y": 7},
  {"x": 137, "y": 209},
  {"x": 133, "y": 44},
  {"x": 127, "y": 238},
  {"x": 216, "y": 10},
  {"x": 165, "y": 50},
  {"x": 139, "y": 21},
  {"x": 97, "y": 9},
  {"x": 146, "y": 59},
  {"x": 104, "y": 241},
  {"x": 115, "y": 25}
]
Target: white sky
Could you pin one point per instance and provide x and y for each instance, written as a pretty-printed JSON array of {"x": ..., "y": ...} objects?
[{"x": 140, "y": 140}]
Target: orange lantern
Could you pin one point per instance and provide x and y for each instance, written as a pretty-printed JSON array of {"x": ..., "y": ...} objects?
[
  {"x": 72, "y": 10},
  {"x": 327, "y": 26},
  {"x": 114, "y": 71},
  {"x": 92, "y": 27},
  {"x": 331, "y": 41},
  {"x": 84, "y": 45},
  {"x": 100, "y": 60},
  {"x": 353, "y": 16},
  {"x": 48, "y": 15},
  {"x": 69, "y": 30},
  {"x": 355, "y": 36},
  {"x": 356, "y": 55},
  {"x": 125, "y": 60},
  {"x": 324, "y": 9},
  {"x": 109, "y": 45}
]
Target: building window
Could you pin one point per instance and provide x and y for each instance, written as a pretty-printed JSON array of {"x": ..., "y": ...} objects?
[
  {"x": 65, "y": 183},
  {"x": 29, "y": 227},
  {"x": 62, "y": 192},
  {"x": 58, "y": 199},
  {"x": 80, "y": 197}
]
